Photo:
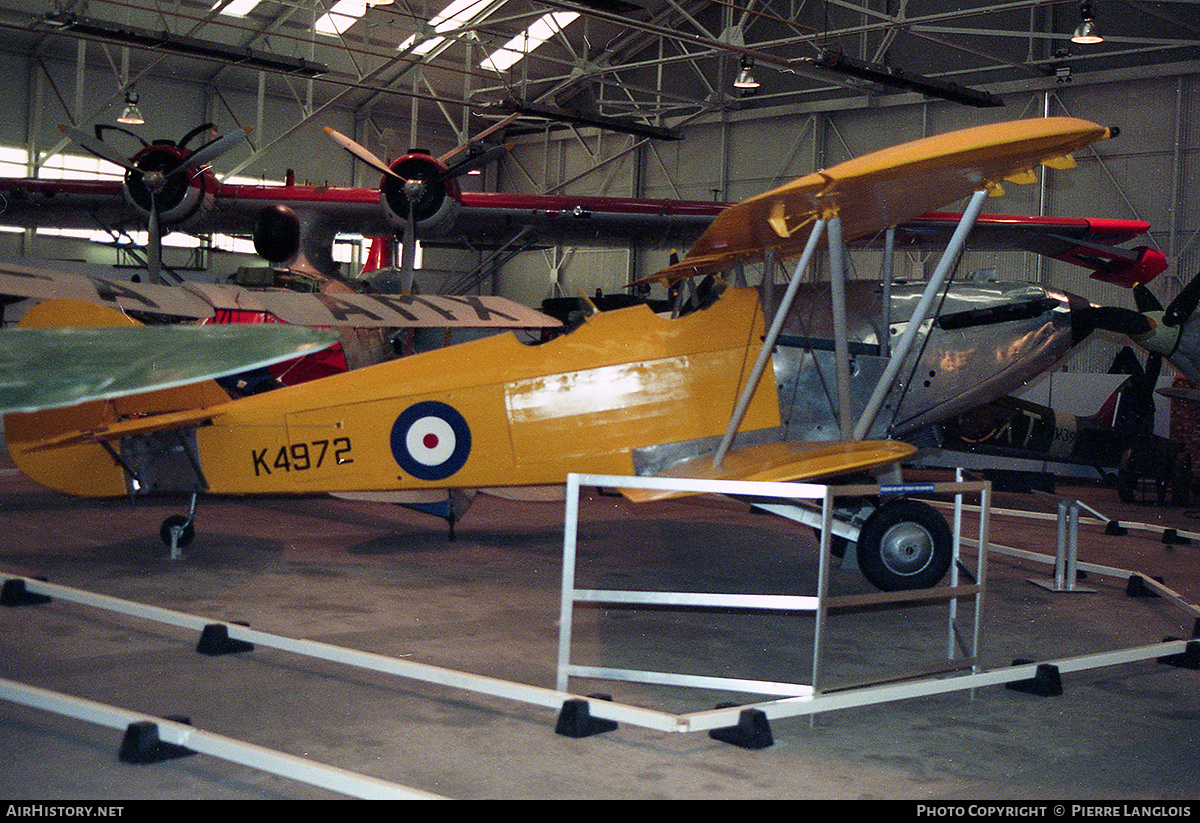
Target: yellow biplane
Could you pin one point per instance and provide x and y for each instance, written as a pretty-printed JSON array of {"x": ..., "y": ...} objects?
[{"x": 628, "y": 392}]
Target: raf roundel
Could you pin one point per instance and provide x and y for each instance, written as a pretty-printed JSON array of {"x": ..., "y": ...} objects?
[{"x": 430, "y": 440}]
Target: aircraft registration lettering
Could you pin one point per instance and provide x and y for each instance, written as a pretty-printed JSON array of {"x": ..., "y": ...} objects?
[
  {"x": 343, "y": 309},
  {"x": 298, "y": 457}
]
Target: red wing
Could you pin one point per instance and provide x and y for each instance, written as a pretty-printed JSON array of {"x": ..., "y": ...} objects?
[{"x": 1088, "y": 242}]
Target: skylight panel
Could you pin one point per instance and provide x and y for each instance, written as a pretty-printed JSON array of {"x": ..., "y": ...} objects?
[
  {"x": 456, "y": 15},
  {"x": 515, "y": 49},
  {"x": 343, "y": 15},
  {"x": 79, "y": 167},
  {"x": 13, "y": 162},
  {"x": 240, "y": 8}
]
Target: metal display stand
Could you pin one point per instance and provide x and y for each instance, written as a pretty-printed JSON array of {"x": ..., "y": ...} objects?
[
  {"x": 962, "y": 649},
  {"x": 1066, "y": 557}
]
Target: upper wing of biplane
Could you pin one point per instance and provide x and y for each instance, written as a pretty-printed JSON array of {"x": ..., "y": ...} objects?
[
  {"x": 885, "y": 188},
  {"x": 1093, "y": 243},
  {"x": 45, "y": 367},
  {"x": 862, "y": 196}
]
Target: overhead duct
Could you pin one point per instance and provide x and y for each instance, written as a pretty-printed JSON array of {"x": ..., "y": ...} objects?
[
  {"x": 179, "y": 44},
  {"x": 580, "y": 118},
  {"x": 835, "y": 61}
]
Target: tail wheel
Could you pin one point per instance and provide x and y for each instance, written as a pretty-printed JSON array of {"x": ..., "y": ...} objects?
[
  {"x": 905, "y": 544},
  {"x": 177, "y": 531}
]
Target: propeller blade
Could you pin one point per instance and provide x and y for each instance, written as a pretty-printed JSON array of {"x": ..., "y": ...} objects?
[
  {"x": 98, "y": 147},
  {"x": 1145, "y": 300},
  {"x": 475, "y": 161},
  {"x": 361, "y": 152},
  {"x": 154, "y": 252},
  {"x": 409, "y": 250},
  {"x": 1184, "y": 304},
  {"x": 211, "y": 151}
]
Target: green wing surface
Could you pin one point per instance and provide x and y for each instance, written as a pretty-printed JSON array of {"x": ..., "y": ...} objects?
[{"x": 49, "y": 368}]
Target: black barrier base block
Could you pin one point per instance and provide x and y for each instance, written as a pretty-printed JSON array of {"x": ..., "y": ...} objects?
[
  {"x": 14, "y": 593},
  {"x": 1045, "y": 683},
  {"x": 753, "y": 731},
  {"x": 1136, "y": 587},
  {"x": 575, "y": 720},
  {"x": 141, "y": 745},
  {"x": 1189, "y": 658},
  {"x": 215, "y": 640}
]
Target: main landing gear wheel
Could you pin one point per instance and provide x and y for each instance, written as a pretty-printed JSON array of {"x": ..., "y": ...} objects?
[{"x": 903, "y": 545}]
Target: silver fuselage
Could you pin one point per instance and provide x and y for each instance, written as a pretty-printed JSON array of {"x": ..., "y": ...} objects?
[{"x": 998, "y": 337}]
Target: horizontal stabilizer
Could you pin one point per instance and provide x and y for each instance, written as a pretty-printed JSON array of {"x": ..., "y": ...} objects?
[
  {"x": 126, "y": 428},
  {"x": 782, "y": 462},
  {"x": 1181, "y": 393}
]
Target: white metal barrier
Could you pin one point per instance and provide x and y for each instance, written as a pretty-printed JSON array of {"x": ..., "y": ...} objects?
[
  {"x": 187, "y": 740},
  {"x": 962, "y": 650}
]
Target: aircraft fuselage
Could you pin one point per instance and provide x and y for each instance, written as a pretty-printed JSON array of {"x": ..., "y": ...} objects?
[{"x": 987, "y": 340}]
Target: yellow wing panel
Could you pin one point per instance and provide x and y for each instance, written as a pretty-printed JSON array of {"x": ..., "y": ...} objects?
[
  {"x": 782, "y": 462},
  {"x": 884, "y": 188}
]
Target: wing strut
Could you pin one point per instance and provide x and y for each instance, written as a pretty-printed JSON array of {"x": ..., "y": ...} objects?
[
  {"x": 889, "y": 266},
  {"x": 764, "y": 354},
  {"x": 841, "y": 347},
  {"x": 900, "y": 352}
]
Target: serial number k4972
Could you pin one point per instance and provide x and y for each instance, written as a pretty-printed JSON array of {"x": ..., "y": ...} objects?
[{"x": 298, "y": 457}]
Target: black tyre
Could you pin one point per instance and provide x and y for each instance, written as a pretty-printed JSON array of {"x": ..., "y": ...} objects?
[
  {"x": 903, "y": 545},
  {"x": 186, "y": 531}
]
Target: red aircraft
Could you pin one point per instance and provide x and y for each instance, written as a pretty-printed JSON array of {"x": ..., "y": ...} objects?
[{"x": 169, "y": 185}]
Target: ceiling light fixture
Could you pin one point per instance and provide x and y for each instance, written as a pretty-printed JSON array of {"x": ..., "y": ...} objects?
[
  {"x": 745, "y": 80},
  {"x": 131, "y": 115},
  {"x": 1087, "y": 31}
]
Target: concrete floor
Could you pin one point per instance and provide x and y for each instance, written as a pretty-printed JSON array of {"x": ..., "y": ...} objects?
[{"x": 387, "y": 580}]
